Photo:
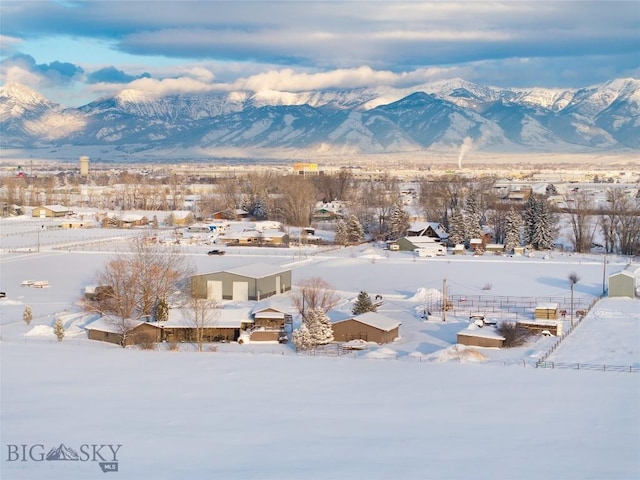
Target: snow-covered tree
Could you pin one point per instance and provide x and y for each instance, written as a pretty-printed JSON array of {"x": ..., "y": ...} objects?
[
  {"x": 27, "y": 315},
  {"x": 399, "y": 221},
  {"x": 513, "y": 231},
  {"x": 58, "y": 329},
  {"x": 319, "y": 327},
  {"x": 315, "y": 330},
  {"x": 472, "y": 226},
  {"x": 302, "y": 338},
  {"x": 530, "y": 215},
  {"x": 355, "y": 232},
  {"x": 456, "y": 228},
  {"x": 363, "y": 304},
  {"x": 542, "y": 237},
  {"x": 341, "y": 237}
]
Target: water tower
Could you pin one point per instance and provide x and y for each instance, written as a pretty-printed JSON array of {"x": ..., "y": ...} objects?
[{"x": 84, "y": 166}]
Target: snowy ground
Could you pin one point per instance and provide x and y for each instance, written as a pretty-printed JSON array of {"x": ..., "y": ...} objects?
[{"x": 416, "y": 408}]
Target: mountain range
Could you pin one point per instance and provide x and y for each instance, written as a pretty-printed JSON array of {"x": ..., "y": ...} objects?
[{"x": 441, "y": 115}]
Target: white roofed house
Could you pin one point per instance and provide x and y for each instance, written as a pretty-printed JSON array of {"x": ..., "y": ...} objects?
[{"x": 270, "y": 319}]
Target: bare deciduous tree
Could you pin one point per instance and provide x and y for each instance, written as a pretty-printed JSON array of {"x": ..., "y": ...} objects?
[
  {"x": 202, "y": 314},
  {"x": 132, "y": 283},
  {"x": 581, "y": 221},
  {"x": 297, "y": 201},
  {"x": 314, "y": 293}
]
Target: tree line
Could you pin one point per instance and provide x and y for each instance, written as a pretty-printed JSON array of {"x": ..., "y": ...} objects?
[{"x": 376, "y": 208}]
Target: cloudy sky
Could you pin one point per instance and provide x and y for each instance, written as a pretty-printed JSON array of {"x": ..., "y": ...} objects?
[{"x": 76, "y": 51}]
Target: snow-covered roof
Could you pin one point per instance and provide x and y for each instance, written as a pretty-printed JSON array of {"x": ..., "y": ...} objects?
[
  {"x": 474, "y": 330},
  {"x": 256, "y": 270},
  {"x": 421, "y": 240},
  {"x": 437, "y": 228},
  {"x": 265, "y": 309},
  {"x": 376, "y": 320},
  {"x": 56, "y": 208},
  {"x": 181, "y": 214},
  {"x": 546, "y": 306},
  {"x": 221, "y": 318},
  {"x": 111, "y": 325}
]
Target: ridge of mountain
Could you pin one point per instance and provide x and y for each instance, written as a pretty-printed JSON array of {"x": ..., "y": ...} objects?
[{"x": 441, "y": 114}]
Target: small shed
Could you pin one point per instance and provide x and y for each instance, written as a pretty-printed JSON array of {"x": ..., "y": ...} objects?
[
  {"x": 459, "y": 249},
  {"x": 495, "y": 248},
  {"x": 369, "y": 326},
  {"x": 624, "y": 283},
  {"x": 475, "y": 336},
  {"x": 538, "y": 326},
  {"x": 546, "y": 311},
  {"x": 111, "y": 331}
]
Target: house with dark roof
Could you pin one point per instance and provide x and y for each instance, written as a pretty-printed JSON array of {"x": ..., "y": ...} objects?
[{"x": 434, "y": 230}]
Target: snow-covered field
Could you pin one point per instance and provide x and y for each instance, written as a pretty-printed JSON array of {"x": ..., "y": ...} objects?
[{"x": 417, "y": 408}]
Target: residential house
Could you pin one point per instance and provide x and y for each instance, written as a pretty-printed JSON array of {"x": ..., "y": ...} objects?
[{"x": 434, "y": 230}]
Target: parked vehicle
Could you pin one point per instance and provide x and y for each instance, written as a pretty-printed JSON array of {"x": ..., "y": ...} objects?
[
  {"x": 3, "y": 294},
  {"x": 215, "y": 252}
]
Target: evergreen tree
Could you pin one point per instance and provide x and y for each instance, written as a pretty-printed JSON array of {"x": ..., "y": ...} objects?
[
  {"x": 542, "y": 237},
  {"x": 27, "y": 315},
  {"x": 399, "y": 222},
  {"x": 341, "y": 237},
  {"x": 472, "y": 219},
  {"x": 363, "y": 304},
  {"x": 162, "y": 310},
  {"x": 355, "y": 232},
  {"x": 319, "y": 326},
  {"x": 513, "y": 234},
  {"x": 58, "y": 329},
  {"x": 530, "y": 216},
  {"x": 302, "y": 338},
  {"x": 457, "y": 231}
]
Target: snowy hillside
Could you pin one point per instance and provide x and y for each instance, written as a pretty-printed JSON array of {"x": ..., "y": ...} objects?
[{"x": 419, "y": 407}]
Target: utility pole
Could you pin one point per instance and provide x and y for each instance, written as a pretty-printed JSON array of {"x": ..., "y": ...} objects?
[
  {"x": 604, "y": 273},
  {"x": 444, "y": 299}
]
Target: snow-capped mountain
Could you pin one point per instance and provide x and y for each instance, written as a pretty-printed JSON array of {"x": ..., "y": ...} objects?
[{"x": 379, "y": 120}]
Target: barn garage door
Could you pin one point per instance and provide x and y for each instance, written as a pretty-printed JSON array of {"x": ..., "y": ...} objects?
[
  {"x": 214, "y": 290},
  {"x": 241, "y": 291}
]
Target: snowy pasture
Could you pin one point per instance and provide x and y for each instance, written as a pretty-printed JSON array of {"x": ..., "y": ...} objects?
[{"x": 420, "y": 407}]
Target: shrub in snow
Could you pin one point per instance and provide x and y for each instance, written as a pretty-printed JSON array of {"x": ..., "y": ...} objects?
[
  {"x": 363, "y": 304},
  {"x": 145, "y": 342},
  {"x": 514, "y": 335},
  {"x": 58, "y": 329},
  {"x": 27, "y": 315}
]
